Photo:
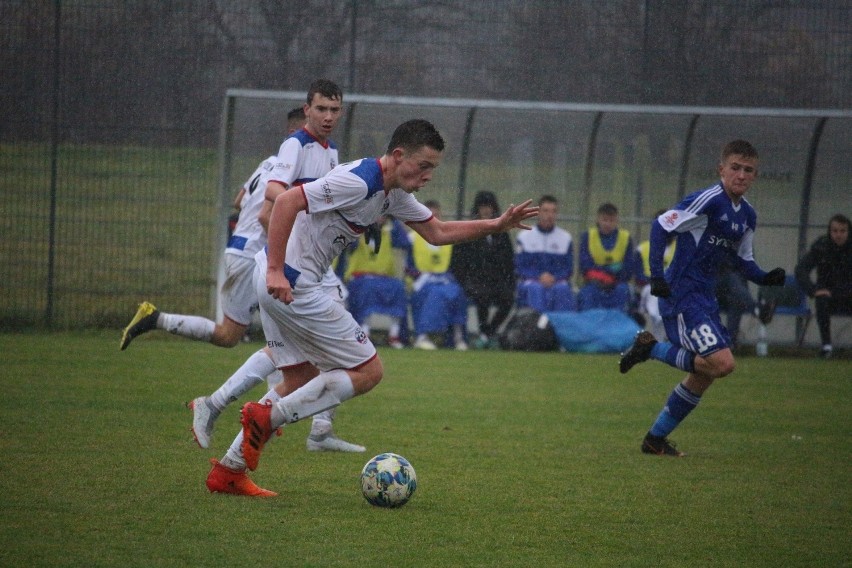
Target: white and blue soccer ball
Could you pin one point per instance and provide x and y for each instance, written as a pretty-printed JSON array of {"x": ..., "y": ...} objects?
[{"x": 388, "y": 480}]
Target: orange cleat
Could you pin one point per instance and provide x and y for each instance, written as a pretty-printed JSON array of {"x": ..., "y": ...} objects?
[
  {"x": 224, "y": 480},
  {"x": 257, "y": 429}
]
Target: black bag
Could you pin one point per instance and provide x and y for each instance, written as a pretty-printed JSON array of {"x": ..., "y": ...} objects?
[{"x": 528, "y": 330}]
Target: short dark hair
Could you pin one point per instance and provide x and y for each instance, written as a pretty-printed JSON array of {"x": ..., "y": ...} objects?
[
  {"x": 547, "y": 198},
  {"x": 842, "y": 219},
  {"x": 739, "y": 147},
  {"x": 414, "y": 134},
  {"x": 326, "y": 88},
  {"x": 297, "y": 113},
  {"x": 607, "y": 209}
]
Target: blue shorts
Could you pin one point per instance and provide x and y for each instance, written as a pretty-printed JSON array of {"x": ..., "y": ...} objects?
[{"x": 698, "y": 331}]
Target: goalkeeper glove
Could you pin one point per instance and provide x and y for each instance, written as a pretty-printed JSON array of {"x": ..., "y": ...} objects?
[
  {"x": 775, "y": 277},
  {"x": 660, "y": 288}
]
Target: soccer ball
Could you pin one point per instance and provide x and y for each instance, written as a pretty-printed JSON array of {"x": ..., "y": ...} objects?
[{"x": 388, "y": 480}]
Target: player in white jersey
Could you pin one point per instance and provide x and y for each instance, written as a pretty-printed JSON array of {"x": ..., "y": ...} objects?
[
  {"x": 306, "y": 154},
  {"x": 710, "y": 225},
  {"x": 237, "y": 295},
  {"x": 307, "y": 329}
]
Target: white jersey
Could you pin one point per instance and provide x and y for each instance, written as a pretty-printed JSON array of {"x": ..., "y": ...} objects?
[
  {"x": 301, "y": 159},
  {"x": 249, "y": 235},
  {"x": 341, "y": 206}
]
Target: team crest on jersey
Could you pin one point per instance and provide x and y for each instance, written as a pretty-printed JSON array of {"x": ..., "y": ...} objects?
[
  {"x": 340, "y": 239},
  {"x": 670, "y": 219},
  {"x": 385, "y": 206},
  {"x": 361, "y": 337}
]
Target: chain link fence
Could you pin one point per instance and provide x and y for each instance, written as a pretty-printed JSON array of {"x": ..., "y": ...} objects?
[{"x": 110, "y": 117}]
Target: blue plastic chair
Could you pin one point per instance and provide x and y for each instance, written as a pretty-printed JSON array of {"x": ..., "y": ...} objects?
[{"x": 790, "y": 300}]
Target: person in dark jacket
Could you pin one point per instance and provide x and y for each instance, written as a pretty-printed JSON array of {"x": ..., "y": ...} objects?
[
  {"x": 831, "y": 256},
  {"x": 485, "y": 269}
]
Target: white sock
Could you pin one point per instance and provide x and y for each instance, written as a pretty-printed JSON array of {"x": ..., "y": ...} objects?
[
  {"x": 394, "y": 330},
  {"x": 458, "y": 334},
  {"x": 322, "y": 423},
  {"x": 194, "y": 327},
  {"x": 324, "y": 391},
  {"x": 252, "y": 373},
  {"x": 233, "y": 458}
]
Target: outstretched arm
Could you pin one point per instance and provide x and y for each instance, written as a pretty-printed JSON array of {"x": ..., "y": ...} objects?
[{"x": 437, "y": 232}]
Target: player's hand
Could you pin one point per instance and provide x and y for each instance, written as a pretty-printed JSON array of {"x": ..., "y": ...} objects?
[
  {"x": 278, "y": 286},
  {"x": 512, "y": 217},
  {"x": 660, "y": 288},
  {"x": 775, "y": 277}
]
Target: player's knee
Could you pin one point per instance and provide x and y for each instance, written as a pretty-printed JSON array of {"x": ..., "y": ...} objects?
[
  {"x": 228, "y": 334},
  {"x": 368, "y": 376},
  {"x": 724, "y": 367}
]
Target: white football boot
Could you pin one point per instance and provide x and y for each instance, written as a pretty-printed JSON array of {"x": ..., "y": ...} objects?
[{"x": 203, "y": 418}]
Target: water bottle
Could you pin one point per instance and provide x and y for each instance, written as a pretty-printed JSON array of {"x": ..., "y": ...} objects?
[{"x": 762, "y": 348}]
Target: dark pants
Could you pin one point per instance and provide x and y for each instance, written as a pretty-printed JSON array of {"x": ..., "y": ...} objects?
[
  {"x": 734, "y": 299},
  {"x": 501, "y": 298},
  {"x": 826, "y": 306}
]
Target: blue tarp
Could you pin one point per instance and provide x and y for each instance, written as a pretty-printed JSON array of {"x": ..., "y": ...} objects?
[{"x": 594, "y": 331}]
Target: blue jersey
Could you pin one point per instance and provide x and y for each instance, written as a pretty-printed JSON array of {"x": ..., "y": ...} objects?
[
  {"x": 539, "y": 251},
  {"x": 709, "y": 227}
]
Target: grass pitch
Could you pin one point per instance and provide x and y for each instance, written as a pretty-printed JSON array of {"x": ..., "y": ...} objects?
[{"x": 522, "y": 460}]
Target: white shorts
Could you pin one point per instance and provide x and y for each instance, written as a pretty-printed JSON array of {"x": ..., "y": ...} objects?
[
  {"x": 238, "y": 294},
  {"x": 315, "y": 327}
]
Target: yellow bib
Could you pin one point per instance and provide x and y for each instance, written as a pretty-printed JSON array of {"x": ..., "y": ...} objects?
[
  {"x": 430, "y": 258},
  {"x": 364, "y": 260},
  {"x": 645, "y": 252},
  {"x": 603, "y": 257}
]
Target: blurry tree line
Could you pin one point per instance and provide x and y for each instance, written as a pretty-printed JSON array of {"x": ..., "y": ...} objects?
[{"x": 155, "y": 72}]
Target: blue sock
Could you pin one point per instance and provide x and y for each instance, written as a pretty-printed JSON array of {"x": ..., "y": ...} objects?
[
  {"x": 674, "y": 356},
  {"x": 680, "y": 403}
]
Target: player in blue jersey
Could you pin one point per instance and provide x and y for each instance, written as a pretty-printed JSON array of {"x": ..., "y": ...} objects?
[
  {"x": 309, "y": 227},
  {"x": 710, "y": 225}
]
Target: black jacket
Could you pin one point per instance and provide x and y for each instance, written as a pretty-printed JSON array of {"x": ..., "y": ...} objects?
[
  {"x": 833, "y": 267},
  {"x": 485, "y": 264}
]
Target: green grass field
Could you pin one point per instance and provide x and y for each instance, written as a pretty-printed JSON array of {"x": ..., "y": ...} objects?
[{"x": 522, "y": 460}]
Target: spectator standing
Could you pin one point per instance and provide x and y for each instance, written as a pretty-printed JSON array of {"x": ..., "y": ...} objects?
[{"x": 486, "y": 271}]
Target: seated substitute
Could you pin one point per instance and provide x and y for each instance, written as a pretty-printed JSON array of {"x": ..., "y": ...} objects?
[
  {"x": 438, "y": 302},
  {"x": 649, "y": 304},
  {"x": 544, "y": 262},
  {"x": 606, "y": 263},
  {"x": 831, "y": 256},
  {"x": 485, "y": 269},
  {"x": 373, "y": 277}
]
